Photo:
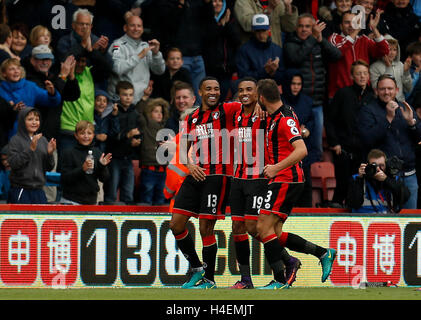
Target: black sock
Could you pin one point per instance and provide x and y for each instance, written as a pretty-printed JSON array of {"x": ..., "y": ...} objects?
[
  {"x": 242, "y": 251},
  {"x": 209, "y": 251},
  {"x": 298, "y": 244},
  {"x": 274, "y": 257},
  {"x": 186, "y": 245}
]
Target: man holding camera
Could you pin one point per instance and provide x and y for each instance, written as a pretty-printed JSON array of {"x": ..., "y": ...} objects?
[
  {"x": 394, "y": 128},
  {"x": 377, "y": 188}
]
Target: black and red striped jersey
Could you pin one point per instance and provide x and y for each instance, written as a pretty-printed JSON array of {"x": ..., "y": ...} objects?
[
  {"x": 281, "y": 131},
  {"x": 249, "y": 145},
  {"x": 210, "y": 134}
]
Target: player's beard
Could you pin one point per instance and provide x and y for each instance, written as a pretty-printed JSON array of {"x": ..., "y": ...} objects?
[{"x": 262, "y": 106}]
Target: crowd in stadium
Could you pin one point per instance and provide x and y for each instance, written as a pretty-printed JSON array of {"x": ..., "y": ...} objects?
[{"x": 107, "y": 76}]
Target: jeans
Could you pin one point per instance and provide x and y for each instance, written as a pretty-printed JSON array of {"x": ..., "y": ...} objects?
[
  {"x": 317, "y": 134},
  {"x": 412, "y": 184},
  {"x": 151, "y": 187},
  {"x": 27, "y": 196},
  {"x": 121, "y": 176},
  {"x": 196, "y": 66}
]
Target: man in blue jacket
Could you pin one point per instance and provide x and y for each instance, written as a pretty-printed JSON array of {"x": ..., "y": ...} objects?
[
  {"x": 259, "y": 57},
  {"x": 393, "y": 127}
]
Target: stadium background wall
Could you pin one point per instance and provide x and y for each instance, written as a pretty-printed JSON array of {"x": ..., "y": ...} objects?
[{"x": 131, "y": 246}]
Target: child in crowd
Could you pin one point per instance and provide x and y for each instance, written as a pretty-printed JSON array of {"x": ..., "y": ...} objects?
[
  {"x": 30, "y": 156},
  {"x": 105, "y": 117},
  {"x": 174, "y": 71},
  {"x": 4, "y": 174},
  {"x": 80, "y": 187},
  {"x": 414, "y": 54},
  {"x": 124, "y": 147},
  {"x": 152, "y": 175},
  {"x": 40, "y": 35},
  {"x": 16, "y": 90},
  {"x": 391, "y": 64}
]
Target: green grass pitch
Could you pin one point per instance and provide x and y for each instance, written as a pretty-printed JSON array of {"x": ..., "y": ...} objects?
[{"x": 297, "y": 293}]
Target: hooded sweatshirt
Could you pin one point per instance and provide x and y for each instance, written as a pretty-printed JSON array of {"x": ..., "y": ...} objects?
[
  {"x": 28, "y": 167},
  {"x": 396, "y": 69}
]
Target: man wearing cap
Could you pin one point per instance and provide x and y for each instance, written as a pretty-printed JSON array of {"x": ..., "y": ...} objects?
[
  {"x": 259, "y": 57},
  {"x": 38, "y": 70},
  {"x": 282, "y": 14}
]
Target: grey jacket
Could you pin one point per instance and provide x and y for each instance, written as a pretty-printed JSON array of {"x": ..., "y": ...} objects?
[
  {"x": 129, "y": 67},
  {"x": 28, "y": 167}
]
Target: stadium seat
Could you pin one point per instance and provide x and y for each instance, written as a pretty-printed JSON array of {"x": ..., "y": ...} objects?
[{"x": 323, "y": 178}]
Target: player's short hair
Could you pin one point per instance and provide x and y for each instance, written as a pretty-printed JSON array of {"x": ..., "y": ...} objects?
[
  {"x": 247, "y": 78},
  {"x": 83, "y": 125},
  {"x": 269, "y": 90},
  {"x": 207, "y": 78},
  {"x": 123, "y": 85}
]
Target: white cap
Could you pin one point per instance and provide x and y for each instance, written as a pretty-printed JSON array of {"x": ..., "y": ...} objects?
[{"x": 260, "y": 22}]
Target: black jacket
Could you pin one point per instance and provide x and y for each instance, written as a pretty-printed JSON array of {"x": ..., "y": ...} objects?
[
  {"x": 77, "y": 185},
  {"x": 309, "y": 57},
  {"x": 119, "y": 145},
  {"x": 341, "y": 117},
  {"x": 401, "y": 24}
]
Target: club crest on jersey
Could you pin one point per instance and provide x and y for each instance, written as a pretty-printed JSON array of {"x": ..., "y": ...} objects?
[
  {"x": 272, "y": 126},
  {"x": 239, "y": 119},
  {"x": 215, "y": 115},
  {"x": 290, "y": 123},
  {"x": 194, "y": 120},
  {"x": 254, "y": 118}
]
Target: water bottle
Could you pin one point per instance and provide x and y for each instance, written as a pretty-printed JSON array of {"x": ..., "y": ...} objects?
[{"x": 90, "y": 157}]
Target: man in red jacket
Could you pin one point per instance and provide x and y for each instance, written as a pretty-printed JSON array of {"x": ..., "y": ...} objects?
[{"x": 354, "y": 47}]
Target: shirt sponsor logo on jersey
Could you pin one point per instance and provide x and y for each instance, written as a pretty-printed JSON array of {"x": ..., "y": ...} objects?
[
  {"x": 204, "y": 131},
  {"x": 245, "y": 134}
]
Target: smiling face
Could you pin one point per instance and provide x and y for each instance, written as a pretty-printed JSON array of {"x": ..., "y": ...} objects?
[
  {"x": 184, "y": 99},
  {"x": 85, "y": 136},
  {"x": 100, "y": 103},
  {"x": 387, "y": 90},
  {"x": 41, "y": 65},
  {"x": 32, "y": 123},
  {"x": 12, "y": 73},
  {"x": 18, "y": 41},
  {"x": 247, "y": 93},
  {"x": 343, "y": 5},
  {"x": 210, "y": 93},
  {"x": 134, "y": 27}
]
